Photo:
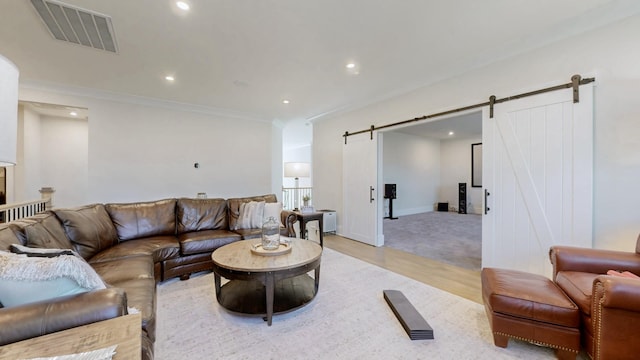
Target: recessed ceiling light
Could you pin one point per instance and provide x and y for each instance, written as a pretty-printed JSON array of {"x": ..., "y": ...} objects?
[
  {"x": 352, "y": 68},
  {"x": 183, "y": 5},
  {"x": 285, "y": 101},
  {"x": 450, "y": 133},
  {"x": 169, "y": 78},
  {"x": 73, "y": 113}
]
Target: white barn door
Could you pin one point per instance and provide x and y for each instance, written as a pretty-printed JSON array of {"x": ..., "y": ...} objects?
[
  {"x": 360, "y": 161},
  {"x": 537, "y": 177}
]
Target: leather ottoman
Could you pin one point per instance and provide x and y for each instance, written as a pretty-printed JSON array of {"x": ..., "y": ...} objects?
[{"x": 531, "y": 308}]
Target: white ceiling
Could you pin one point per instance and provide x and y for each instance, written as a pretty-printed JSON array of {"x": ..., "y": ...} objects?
[{"x": 245, "y": 56}]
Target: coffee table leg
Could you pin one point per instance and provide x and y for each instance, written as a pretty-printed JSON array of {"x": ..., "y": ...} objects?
[
  {"x": 270, "y": 290},
  {"x": 217, "y": 281},
  {"x": 316, "y": 279}
]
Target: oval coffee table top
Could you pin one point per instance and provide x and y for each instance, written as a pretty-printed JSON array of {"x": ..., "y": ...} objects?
[{"x": 238, "y": 256}]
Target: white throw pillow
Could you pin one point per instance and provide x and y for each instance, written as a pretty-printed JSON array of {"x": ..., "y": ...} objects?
[
  {"x": 257, "y": 215},
  {"x": 250, "y": 216},
  {"x": 273, "y": 209},
  {"x": 25, "y": 279}
]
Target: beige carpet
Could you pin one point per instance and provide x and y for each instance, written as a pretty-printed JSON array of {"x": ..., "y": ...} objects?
[
  {"x": 449, "y": 237},
  {"x": 348, "y": 319}
]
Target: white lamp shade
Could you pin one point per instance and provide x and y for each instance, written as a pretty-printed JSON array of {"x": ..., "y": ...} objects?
[
  {"x": 8, "y": 112},
  {"x": 297, "y": 169}
]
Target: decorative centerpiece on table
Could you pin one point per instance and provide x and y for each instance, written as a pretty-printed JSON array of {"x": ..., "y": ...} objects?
[
  {"x": 270, "y": 234},
  {"x": 271, "y": 243}
]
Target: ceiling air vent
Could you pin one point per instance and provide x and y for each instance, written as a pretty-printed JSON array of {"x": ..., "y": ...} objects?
[{"x": 79, "y": 26}]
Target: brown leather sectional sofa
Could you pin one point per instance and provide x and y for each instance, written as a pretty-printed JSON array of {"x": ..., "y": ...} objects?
[{"x": 132, "y": 246}]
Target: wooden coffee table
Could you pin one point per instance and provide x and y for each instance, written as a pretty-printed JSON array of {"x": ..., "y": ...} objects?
[{"x": 266, "y": 285}]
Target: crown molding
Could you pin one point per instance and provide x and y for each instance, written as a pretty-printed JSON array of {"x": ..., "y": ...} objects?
[{"x": 138, "y": 100}]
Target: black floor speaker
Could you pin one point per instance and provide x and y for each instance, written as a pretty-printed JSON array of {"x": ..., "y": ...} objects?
[{"x": 462, "y": 198}]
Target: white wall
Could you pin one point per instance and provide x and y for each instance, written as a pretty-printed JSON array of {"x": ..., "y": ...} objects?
[
  {"x": 64, "y": 159},
  {"x": 52, "y": 152},
  {"x": 455, "y": 163},
  {"x": 611, "y": 54},
  {"x": 276, "y": 160},
  {"x": 27, "y": 175},
  {"x": 413, "y": 164},
  {"x": 147, "y": 150}
]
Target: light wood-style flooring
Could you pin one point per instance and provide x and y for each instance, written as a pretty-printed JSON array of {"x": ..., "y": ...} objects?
[{"x": 453, "y": 279}]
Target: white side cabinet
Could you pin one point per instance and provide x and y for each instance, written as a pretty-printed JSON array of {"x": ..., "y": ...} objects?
[{"x": 329, "y": 223}]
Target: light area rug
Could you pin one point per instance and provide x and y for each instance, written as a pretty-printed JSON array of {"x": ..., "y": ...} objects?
[{"x": 348, "y": 319}]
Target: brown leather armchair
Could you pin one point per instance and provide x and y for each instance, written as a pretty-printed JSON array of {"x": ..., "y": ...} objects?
[{"x": 609, "y": 305}]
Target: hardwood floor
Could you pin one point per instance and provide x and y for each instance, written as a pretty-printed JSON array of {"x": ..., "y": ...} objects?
[{"x": 453, "y": 279}]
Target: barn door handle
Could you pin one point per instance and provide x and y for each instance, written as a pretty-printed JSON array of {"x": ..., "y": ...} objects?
[
  {"x": 371, "y": 194},
  {"x": 486, "y": 204}
]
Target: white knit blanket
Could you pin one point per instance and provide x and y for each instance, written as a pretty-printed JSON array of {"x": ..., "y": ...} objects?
[{"x": 23, "y": 268}]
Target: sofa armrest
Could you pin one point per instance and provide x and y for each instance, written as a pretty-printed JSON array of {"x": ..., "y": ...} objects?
[
  {"x": 614, "y": 292},
  {"x": 595, "y": 261},
  {"x": 39, "y": 318},
  {"x": 615, "y": 314},
  {"x": 289, "y": 218}
]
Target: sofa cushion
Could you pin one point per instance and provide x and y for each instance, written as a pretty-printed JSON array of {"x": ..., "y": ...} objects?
[
  {"x": 25, "y": 279},
  {"x": 234, "y": 206},
  {"x": 141, "y": 295},
  {"x": 143, "y": 219},
  {"x": 205, "y": 241},
  {"x": 159, "y": 248},
  {"x": 257, "y": 233},
  {"x": 187, "y": 264},
  {"x": 89, "y": 228},
  {"x": 8, "y": 237},
  {"x": 579, "y": 287},
  {"x": 130, "y": 268},
  {"x": 45, "y": 231},
  {"x": 18, "y": 229},
  {"x": 201, "y": 214},
  {"x": 249, "y": 233}
]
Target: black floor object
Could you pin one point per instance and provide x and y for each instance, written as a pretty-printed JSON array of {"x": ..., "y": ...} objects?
[{"x": 414, "y": 324}]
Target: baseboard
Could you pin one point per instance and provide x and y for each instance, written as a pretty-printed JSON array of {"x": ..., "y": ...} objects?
[{"x": 417, "y": 210}]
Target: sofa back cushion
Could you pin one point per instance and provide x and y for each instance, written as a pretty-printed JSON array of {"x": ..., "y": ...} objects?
[
  {"x": 201, "y": 214},
  {"x": 234, "y": 206},
  {"x": 9, "y": 237},
  {"x": 143, "y": 219},
  {"x": 89, "y": 228},
  {"x": 43, "y": 230}
]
